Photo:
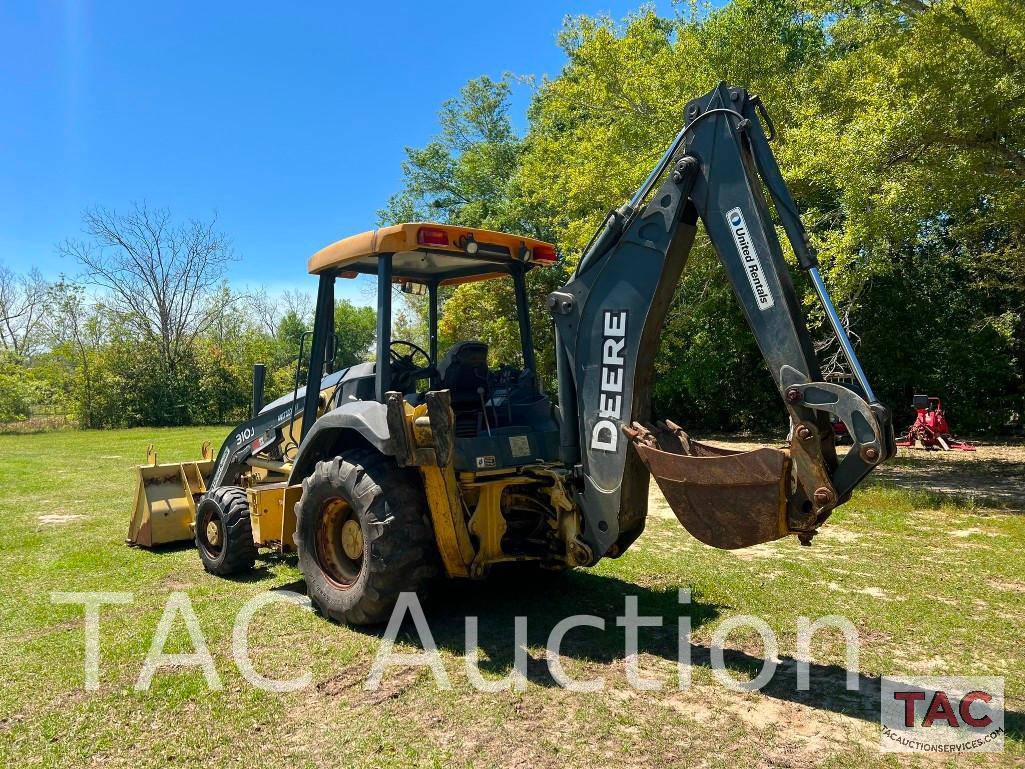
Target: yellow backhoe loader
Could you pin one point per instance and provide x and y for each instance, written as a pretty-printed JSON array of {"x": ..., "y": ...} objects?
[{"x": 385, "y": 475}]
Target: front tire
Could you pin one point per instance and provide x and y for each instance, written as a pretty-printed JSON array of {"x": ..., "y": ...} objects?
[
  {"x": 363, "y": 535},
  {"x": 224, "y": 532}
]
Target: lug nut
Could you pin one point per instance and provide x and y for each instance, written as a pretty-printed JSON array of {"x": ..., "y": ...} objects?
[
  {"x": 793, "y": 395},
  {"x": 803, "y": 433},
  {"x": 870, "y": 453},
  {"x": 823, "y": 496}
]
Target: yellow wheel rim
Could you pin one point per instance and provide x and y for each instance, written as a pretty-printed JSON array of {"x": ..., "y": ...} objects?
[
  {"x": 352, "y": 539},
  {"x": 213, "y": 533},
  {"x": 339, "y": 543}
]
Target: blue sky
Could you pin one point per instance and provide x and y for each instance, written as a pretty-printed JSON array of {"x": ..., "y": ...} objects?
[{"x": 291, "y": 125}]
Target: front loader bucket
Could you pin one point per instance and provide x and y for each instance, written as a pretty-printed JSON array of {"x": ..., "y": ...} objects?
[
  {"x": 726, "y": 499},
  {"x": 165, "y": 501}
]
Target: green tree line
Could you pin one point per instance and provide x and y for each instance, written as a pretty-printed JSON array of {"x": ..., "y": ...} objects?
[
  {"x": 150, "y": 333},
  {"x": 901, "y": 132}
]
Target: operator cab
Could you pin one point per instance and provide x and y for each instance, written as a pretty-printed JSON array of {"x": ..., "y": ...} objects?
[{"x": 502, "y": 419}]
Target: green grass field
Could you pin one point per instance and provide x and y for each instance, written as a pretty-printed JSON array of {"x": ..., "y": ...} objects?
[{"x": 935, "y": 584}]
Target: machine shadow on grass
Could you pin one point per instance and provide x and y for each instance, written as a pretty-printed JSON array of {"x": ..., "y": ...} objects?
[
  {"x": 547, "y": 599},
  {"x": 261, "y": 572}
]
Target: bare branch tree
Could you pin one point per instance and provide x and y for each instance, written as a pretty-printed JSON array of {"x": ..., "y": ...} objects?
[
  {"x": 160, "y": 274},
  {"x": 300, "y": 303},
  {"x": 268, "y": 310},
  {"x": 265, "y": 310},
  {"x": 22, "y": 307}
]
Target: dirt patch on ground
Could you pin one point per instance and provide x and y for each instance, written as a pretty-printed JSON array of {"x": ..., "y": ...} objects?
[
  {"x": 766, "y": 550},
  {"x": 1013, "y": 587},
  {"x": 176, "y": 582},
  {"x": 991, "y": 475},
  {"x": 875, "y": 592},
  {"x": 350, "y": 683},
  {"x": 56, "y": 519},
  {"x": 553, "y": 727},
  {"x": 814, "y": 732}
]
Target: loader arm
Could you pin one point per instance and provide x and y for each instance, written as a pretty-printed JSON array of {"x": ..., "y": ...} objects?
[{"x": 609, "y": 317}]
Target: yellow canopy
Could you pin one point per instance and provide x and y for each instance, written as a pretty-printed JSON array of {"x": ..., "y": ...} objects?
[{"x": 424, "y": 251}]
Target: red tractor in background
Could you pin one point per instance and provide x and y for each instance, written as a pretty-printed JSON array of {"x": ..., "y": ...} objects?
[{"x": 930, "y": 429}]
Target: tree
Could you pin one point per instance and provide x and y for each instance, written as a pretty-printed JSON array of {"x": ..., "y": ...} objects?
[
  {"x": 22, "y": 310},
  {"x": 75, "y": 330},
  {"x": 909, "y": 153},
  {"x": 268, "y": 311},
  {"x": 160, "y": 276},
  {"x": 355, "y": 331},
  {"x": 159, "y": 273},
  {"x": 470, "y": 175},
  {"x": 464, "y": 175},
  {"x": 289, "y": 334},
  {"x": 18, "y": 389}
]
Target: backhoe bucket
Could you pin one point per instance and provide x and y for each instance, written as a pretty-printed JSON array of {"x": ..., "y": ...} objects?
[
  {"x": 165, "y": 500},
  {"x": 726, "y": 499}
]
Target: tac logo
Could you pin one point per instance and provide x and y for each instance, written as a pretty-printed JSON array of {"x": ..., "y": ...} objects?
[{"x": 942, "y": 714}]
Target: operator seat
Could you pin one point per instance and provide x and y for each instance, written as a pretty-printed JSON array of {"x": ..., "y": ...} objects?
[{"x": 462, "y": 370}]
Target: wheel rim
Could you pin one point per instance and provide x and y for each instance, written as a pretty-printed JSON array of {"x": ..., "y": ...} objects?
[
  {"x": 352, "y": 539},
  {"x": 340, "y": 546},
  {"x": 212, "y": 533}
]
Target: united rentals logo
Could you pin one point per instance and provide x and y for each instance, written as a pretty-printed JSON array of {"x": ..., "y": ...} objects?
[{"x": 752, "y": 264}]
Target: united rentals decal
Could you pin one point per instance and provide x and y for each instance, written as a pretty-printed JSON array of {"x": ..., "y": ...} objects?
[{"x": 752, "y": 264}]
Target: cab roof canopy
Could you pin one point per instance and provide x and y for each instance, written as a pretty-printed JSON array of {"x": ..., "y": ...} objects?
[{"x": 423, "y": 252}]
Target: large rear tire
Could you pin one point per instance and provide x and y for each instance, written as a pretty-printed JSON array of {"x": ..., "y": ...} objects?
[
  {"x": 363, "y": 535},
  {"x": 224, "y": 533}
]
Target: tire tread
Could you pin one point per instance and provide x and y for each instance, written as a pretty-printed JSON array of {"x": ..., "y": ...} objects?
[
  {"x": 401, "y": 557},
  {"x": 239, "y": 549}
]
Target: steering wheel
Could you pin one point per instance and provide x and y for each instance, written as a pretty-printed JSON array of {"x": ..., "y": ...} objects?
[{"x": 405, "y": 371}]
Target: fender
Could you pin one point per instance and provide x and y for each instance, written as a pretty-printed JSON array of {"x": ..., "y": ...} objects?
[{"x": 351, "y": 424}]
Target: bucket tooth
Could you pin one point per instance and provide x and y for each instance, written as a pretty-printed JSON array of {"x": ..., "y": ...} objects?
[{"x": 724, "y": 498}]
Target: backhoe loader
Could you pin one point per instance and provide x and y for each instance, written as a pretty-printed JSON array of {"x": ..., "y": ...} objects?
[{"x": 387, "y": 474}]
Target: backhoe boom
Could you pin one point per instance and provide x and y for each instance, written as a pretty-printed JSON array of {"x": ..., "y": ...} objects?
[{"x": 609, "y": 317}]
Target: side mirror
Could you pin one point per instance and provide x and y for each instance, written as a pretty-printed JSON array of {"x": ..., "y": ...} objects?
[{"x": 416, "y": 289}]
